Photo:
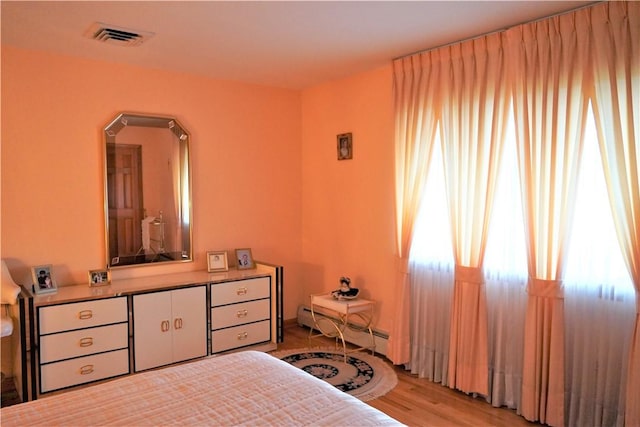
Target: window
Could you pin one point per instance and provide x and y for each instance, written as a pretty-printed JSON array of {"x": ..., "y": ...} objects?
[{"x": 594, "y": 257}]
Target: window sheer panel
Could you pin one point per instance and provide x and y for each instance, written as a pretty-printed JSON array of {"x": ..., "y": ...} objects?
[
  {"x": 505, "y": 268},
  {"x": 595, "y": 259},
  {"x": 616, "y": 37},
  {"x": 432, "y": 271},
  {"x": 431, "y": 293},
  {"x": 506, "y": 256},
  {"x": 432, "y": 239},
  {"x": 599, "y": 302},
  {"x": 599, "y": 322},
  {"x": 416, "y": 97},
  {"x": 506, "y": 307}
]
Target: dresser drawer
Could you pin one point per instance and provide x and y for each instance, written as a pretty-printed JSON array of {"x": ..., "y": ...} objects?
[
  {"x": 54, "y": 376},
  {"x": 239, "y": 291},
  {"x": 83, "y": 342},
  {"x": 237, "y": 314},
  {"x": 240, "y": 336},
  {"x": 78, "y": 315}
]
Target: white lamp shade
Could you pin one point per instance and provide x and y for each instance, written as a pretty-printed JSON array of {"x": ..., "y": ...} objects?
[{"x": 8, "y": 289}]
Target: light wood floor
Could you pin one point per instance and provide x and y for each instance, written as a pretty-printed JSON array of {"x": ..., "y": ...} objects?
[{"x": 419, "y": 402}]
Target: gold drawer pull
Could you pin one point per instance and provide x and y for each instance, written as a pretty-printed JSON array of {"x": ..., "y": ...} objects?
[
  {"x": 86, "y": 370},
  {"x": 86, "y": 342},
  {"x": 165, "y": 325},
  {"x": 241, "y": 291},
  {"x": 85, "y": 314},
  {"x": 243, "y": 336},
  {"x": 177, "y": 323},
  {"x": 241, "y": 313}
]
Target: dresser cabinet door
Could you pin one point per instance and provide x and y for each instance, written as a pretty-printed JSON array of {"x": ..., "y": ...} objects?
[
  {"x": 189, "y": 323},
  {"x": 169, "y": 326},
  {"x": 152, "y": 330}
]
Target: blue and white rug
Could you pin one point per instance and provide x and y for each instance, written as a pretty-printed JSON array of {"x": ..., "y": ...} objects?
[{"x": 363, "y": 376}]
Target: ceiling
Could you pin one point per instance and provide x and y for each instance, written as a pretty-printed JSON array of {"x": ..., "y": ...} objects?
[{"x": 288, "y": 44}]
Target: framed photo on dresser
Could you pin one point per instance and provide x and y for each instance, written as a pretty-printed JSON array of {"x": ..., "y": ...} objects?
[
  {"x": 99, "y": 277},
  {"x": 217, "y": 261},
  {"x": 244, "y": 259},
  {"x": 43, "y": 282}
]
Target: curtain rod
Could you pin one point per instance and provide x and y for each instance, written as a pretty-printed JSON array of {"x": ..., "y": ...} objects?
[{"x": 498, "y": 30}]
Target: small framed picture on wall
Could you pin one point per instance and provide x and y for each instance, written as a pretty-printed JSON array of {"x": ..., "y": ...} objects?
[
  {"x": 244, "y": 259},
  {"x": 345, "y": 146},
  {"x": 43, "y": 282}
]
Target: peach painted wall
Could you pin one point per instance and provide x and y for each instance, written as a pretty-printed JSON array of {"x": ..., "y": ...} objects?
[
  {"x": 246, "y": 164},
  {"x": 348, "y": 205},
  {"x": 265, "y": 171}
]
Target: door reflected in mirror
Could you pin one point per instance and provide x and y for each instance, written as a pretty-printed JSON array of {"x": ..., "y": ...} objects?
[{"x": 147, "y": 191}]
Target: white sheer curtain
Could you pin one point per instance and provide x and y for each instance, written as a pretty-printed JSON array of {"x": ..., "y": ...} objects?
[
  {"x": 597, "y": 329},
  {"x": 506, "y": 282},
  {"x": 599, "y": 303},
  {"x": 431, "y": 272},
  {"x": 430, "y": 321}
]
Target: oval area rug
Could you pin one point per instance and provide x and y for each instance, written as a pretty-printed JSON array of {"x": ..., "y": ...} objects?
[{"x": 363, "y": 376}]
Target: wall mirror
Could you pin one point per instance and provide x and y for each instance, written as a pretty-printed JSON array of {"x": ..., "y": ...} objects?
[{"x": 147, "y": 191}]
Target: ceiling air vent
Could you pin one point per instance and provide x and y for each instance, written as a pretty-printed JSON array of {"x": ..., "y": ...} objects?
[{"x": 117, "y": 35}]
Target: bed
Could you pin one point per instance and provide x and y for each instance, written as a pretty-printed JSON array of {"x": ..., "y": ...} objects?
[{"x": 245, "y": 388}]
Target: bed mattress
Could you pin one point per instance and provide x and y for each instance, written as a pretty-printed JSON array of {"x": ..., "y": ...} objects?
[{"x": 245, "y": 388}]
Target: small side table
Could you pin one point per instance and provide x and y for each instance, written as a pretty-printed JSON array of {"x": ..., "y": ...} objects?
[{"x": 344, "y": 311}]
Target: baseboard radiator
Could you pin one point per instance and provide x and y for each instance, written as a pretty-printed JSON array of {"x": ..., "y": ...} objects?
[{"x": 354, "y": 337}]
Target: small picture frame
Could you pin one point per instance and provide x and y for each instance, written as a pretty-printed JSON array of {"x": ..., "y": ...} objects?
[
  {"x": 217, "y": 261},
  {"x": 345, "y": 146},
  {"x": 244, "y": 259},
  {"x": 43, "y": 281},
  {"x": 99, "y": 277}
]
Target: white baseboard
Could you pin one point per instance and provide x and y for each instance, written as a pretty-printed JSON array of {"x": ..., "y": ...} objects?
[{"x": 360, "y": 339}]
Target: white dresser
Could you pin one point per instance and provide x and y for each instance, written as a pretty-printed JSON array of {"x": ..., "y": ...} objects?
[{"x": 84, "y": 334}]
